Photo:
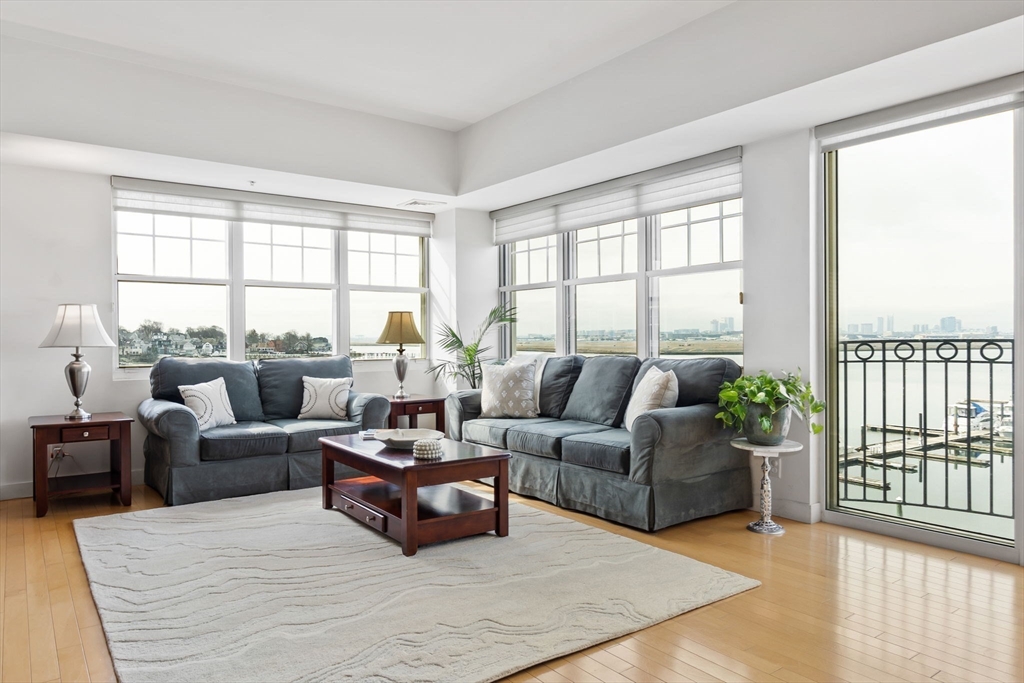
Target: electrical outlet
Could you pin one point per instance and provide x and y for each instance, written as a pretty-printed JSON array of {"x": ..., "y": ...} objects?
[{"x": 56, "y": 452}]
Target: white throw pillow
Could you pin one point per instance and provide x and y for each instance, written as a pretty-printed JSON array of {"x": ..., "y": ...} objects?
[
  {"x": 325, "y": 398},
  {"x": 540, "y": 359},
  {"x": 209, "y": 401},
  {"x": 649, "y": 395},
  {"x": 672, "y": 394},
  {"x": 508, "y": 391}
]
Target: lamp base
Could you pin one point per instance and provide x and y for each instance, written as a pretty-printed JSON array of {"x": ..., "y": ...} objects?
[
  {"x": 77, "y": 374},
  {"x": 401, "y": 364}
]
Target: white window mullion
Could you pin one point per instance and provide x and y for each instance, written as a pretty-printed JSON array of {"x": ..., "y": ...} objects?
[
  {"x": 643, "y": 309},
  {"x": 236, "y": 292},
  {"x": 342, "y": 323}
]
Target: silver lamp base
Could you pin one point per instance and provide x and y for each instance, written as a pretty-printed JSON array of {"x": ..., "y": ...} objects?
[
  {"x": 401, "y": 364},
  {"x": 77, "y": 374}
]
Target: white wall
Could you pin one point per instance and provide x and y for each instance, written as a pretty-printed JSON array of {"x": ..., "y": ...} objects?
[
  {"x": 55, "y": 247},
  {"x": 782, "y": 296},
  {"x": 463, "y": 275},
  {"x": 51, "y": 92},
  {"x": 740, "y": 54}
]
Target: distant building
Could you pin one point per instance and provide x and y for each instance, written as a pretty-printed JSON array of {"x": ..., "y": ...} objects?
[
  {"x": 890, "y": 324},
  {"x": 993, "y": 330},
  {"x": 852, "y": 328},
  {"x": 715, "y": 327},
  {"x": 865, "y": 328},
  {"x": 728, "y": 325},
  {"x": 950, "y": 324},
  {"x": 880, "y": 325}
]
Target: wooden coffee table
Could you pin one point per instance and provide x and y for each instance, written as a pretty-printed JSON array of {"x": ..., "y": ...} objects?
[{"x": 410, "y": 500}]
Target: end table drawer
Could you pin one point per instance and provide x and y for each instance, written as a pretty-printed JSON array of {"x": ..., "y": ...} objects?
[
  {"x": 360, "y": 513},
  {"x": 69, "y": 434}
]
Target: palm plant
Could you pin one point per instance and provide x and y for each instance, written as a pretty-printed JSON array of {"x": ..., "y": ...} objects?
[{"x": 469, "y": 355}]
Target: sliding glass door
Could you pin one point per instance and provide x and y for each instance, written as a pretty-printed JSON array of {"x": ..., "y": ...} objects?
[{"x": 924, "y": 293}]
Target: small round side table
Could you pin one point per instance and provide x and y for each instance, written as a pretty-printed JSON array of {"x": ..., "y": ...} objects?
[{"x": 765, "y": 525}]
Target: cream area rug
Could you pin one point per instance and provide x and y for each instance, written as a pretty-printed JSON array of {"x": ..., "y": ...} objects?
[{"x": 274, "y": 588}]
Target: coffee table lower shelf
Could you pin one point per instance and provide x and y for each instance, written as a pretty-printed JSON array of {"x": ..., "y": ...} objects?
[{"x": 444, "y": 512}]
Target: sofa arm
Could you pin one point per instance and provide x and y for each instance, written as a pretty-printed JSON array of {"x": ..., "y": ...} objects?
[
  {"x": 459, "y": 407},
  {"x": 661, "y": 438},
  {"x": 371, "y": 411},
  {"x": 175, "y": 424}
]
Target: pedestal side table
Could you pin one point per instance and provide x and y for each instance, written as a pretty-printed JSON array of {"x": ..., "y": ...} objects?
[{"x": 765, "y": 525}]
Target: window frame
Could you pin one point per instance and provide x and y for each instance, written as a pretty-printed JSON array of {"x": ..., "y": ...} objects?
[
  {"x": 646, "y": 276},
  {"x": 236, "y": 283}
]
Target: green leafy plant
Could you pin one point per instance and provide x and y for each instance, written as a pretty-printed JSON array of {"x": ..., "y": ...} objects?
[
  {"x": 777, "y": 394},
  {"x": 469, "y": 355}
]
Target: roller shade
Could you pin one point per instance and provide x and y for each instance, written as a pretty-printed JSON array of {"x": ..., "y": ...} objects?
[
  {"x": 711, "y": 178},
  {"x": 982, "y": 99},
  {"x": 134, "y": 194}
]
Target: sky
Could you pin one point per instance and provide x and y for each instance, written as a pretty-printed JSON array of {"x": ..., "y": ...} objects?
[{"x": 926, "y": 226}]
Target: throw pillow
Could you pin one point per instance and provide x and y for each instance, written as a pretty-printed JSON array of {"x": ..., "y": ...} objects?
[
  {"x": 209, "y": 401},
  {"x": 672, "y": 394},
  {"x": 325, "y": 398},
  {"x": 649, "y": 394},
  {"x": 508, "y": 391},
  {"x": 539, "y": 359}
]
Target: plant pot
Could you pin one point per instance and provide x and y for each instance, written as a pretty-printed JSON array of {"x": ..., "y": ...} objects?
[{"x": 752, "y": 425}]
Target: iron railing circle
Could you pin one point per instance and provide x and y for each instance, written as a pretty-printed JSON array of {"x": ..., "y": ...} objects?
[
  {"x": 869, "y": 347},
  {"x": 896, "y": 350},
  {"x": 944, "y": 345},
  {"x": 986, "y": 345}
]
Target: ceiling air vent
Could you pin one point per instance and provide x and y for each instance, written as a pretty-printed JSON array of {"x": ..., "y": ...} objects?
[{"x": 420, "y": 204}]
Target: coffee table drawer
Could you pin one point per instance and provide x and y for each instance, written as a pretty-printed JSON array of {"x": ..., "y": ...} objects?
[{"x": 361, "y": 513}]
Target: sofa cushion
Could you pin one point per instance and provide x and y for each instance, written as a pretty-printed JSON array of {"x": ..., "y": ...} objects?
[
  {"x": 242, "y": 440},
  {"x": 490, "y": 431},
  {"x": 169, "y": 373},
  {"x": 607, "y": 450},
  {"x": 545, "y": 439},
  {"x": 280, "y": 381},
  {"x": 303, "y": 434},
  {"x": 699, "y": 378},
  {"x": 602, "y": 390},
  {"x": 556, "y": 383}
]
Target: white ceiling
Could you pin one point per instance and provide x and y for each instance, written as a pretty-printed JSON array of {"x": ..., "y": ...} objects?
[{"x": 446, "y": 64}]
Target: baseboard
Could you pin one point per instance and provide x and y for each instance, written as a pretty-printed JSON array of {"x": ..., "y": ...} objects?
[
  {"x": 808, "y": 513},
  {"x": 24, "y": 489}
]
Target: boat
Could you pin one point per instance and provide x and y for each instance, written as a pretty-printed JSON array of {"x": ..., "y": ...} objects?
[{"x": 982, "y": 415}]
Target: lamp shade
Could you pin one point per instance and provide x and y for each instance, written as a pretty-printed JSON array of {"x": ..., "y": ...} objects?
[
  {"x": 76, "y": 325},
  {"x": 400, "y": 329}
]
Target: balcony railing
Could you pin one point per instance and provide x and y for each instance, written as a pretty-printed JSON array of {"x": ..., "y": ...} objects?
[{"x": 926, "y": 432}]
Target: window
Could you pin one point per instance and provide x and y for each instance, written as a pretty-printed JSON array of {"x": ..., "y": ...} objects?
[
  {"x": 685, "y": 304},
  {"x": 532, "y": 268},
  {"x": 386, "y": 273},
  {"x": 247, "y": 279}
]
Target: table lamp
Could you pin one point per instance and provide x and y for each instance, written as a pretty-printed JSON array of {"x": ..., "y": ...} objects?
[
  {"x": 77, "y": 326},
  {"x": 400, "y": 329}
]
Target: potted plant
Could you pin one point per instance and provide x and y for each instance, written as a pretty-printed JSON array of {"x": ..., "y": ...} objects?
[
  {"x": 761, "y": 406},
  {"x": 469, "y": 355}
]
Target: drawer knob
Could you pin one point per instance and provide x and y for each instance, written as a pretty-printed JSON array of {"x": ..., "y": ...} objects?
[
  {"x": 349, "y": 507},
  {"x": 85, "y": 433},
  {"x": 370, "y": 518}
]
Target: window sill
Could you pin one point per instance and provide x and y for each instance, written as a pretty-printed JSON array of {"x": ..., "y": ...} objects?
[{"x": 131, "y": 374}]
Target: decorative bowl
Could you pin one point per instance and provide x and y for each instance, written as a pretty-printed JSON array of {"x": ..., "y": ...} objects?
[{"x": 405, "y": 438}]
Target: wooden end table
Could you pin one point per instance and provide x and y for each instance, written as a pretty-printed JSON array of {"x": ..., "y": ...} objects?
[
  {"x": 414, "y": 406},
  {"x": 411, "y": 500},
  {"x": 56, "y": 429},
  {"x": 765, "y": 525}
]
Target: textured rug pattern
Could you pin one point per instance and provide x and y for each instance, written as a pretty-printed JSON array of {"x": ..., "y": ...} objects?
[{"x": 274, "y": 588}]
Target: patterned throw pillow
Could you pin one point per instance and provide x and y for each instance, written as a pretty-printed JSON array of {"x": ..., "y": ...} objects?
[
  {"x": 649, "y": 395},
  {"x": 325, "y": 398},
  {"x": 209, "y": 401},
  {"x": 508, "y": 391}
]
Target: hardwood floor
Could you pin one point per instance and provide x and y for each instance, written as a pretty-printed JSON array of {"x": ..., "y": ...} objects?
[{"x": 835, "y": 605}]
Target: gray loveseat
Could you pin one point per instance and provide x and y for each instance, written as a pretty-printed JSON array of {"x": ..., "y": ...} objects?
[
  {"x": 269, "y": 449},
  {"x": 675, "y": 464}
]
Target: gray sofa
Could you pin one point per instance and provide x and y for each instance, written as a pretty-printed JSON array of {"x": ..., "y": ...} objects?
[
  {"x": 269, "y": 449},
  {"x": 675, "y": 464}
]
